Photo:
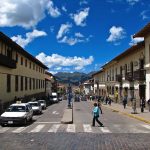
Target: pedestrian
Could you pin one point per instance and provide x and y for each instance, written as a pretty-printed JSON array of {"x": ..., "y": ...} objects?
[
  {"x": 124, "y": 102},
  {"x": 95, "y": 113},
  {"x": 148, "y": 102},
  {"x": 109, "y": 100},
  {"x": 142, "y": 104},
  {"x": 106, "y": 100},
  {"x": 100, "y": 106}
]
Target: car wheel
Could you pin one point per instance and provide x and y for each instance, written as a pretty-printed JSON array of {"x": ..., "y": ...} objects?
[
  {"x": 25, "y": 121},
  {"x": 3, "y": 125},
  {"x": 31, "y": 119}
]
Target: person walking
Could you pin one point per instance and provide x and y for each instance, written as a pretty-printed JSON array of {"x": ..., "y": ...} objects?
[
  {"x": 124, "y": 102},
  {"x": 109, "y": 101},
  {"x": 148, "y": 102},
  {"x": 142, "y": 104},
  {"x": 100, "y": 106},
  {"x": 95, "y": 113}
]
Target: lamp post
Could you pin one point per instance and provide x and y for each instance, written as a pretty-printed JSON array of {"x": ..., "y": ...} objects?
[{"x": 69, "y": 93}]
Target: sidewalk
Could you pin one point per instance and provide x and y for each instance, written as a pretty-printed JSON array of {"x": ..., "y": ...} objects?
[{"x": 145, "y": 117}]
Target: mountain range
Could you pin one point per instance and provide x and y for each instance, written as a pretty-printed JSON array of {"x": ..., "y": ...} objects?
[{"x": 73, "y": 78}]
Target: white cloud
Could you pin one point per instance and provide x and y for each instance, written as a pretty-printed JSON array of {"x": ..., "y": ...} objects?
[
  {"x": 63, "y": 30},
  {"x": 132, "y": 2},
  {"x": 25, "y": 13},
  {"x": 83, "y": 2},
  {"x": 64, "y": 8},
  {"x": 74, "y": 40},
  {"x": 116, "y": 34},
  {"x": 134, "y": 41},
  {"x": 56, "y": 60},
  {"x": 78, "y": 34},
  {"x": 80, "y": 17},
  {"x": 53, "y": 11},
  {"x": 145, "y": 14},
  {"x": 30, "y": 36}
]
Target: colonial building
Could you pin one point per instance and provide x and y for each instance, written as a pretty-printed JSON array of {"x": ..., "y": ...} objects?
[
  {"x": 87, "y": 87},
  {"x": 124, "y": 76},
  {"x": 50, "y": 83},
  {"x": 145, "y": 32},
  {"x": 21, "y": 74}
]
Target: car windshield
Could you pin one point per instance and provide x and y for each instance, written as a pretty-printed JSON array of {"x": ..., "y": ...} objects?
[
  {"x": 41, "y": 101},
  {"x": 34, "y": 104},
  {"x": 16, "y": 109}
]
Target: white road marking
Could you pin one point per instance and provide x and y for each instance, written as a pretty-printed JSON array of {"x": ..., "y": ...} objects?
[
  {"x": 20, "y": 129},
  {"x": 49, "y": 122},
  {"x": 71, "y": 128},
  {"x": 146, "y": 126},
  {"x": 55, "y": 112},
  {"x": 38, "y": 128},
  {"x": 54, "y": 128},
  {"x": 4, "y": 129},
  {"x": 87, "y": 128},
  {"x": 105, "y": 130}
]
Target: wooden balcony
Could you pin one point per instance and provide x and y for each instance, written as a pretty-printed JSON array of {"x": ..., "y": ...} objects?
[
  {"x": 139, "y": 75},
  {"x": 7, "y": 62},
  {"x": 119, "y": 77},
  {"x": 129, "y": 76}
]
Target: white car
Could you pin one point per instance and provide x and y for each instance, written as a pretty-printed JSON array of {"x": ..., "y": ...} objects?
[
  {"x": 36, "y": 106},
  {"x": 43, "y": 103},
  {"x": 17, "y": 114}
]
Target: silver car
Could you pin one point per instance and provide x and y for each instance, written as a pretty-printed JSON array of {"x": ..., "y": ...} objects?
[
  {"x": 43, "y": 103},
  {"x": 36, "y": 106}
]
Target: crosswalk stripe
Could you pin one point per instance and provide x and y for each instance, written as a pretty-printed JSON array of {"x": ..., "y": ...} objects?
[
  {"x": 105, "y": 130},
  {"x": 71, "y": 128},
  {"x": 38, "y": 128},
  {"x": 2, "y": 130},
  {"x": 87, "y": 128},
  {"x": 146, "y": 126},
  {"x": 20, "y": 129},
  {"x": 54, "y": 128}
]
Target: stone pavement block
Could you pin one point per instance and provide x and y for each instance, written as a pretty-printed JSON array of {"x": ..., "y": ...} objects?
[
  {"x": 68, "y": 116},
  {"x": 145, "y": 117}
]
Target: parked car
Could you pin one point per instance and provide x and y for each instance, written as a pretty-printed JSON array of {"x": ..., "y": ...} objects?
[
  {"x": 17, "y": 114},
  {"x": 36, "y": 106},
  {"x": 54, "y": 97},
  {"x": 43, "y": 103}
]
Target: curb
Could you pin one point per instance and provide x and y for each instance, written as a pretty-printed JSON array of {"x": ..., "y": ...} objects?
[
  {"x": 67, "y": 118},
  {"x": 129, "y": 115}
]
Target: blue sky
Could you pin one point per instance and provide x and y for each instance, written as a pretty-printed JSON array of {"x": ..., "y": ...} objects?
[{"x": 74, "y": 35}]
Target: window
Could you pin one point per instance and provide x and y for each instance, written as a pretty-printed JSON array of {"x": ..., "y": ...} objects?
[
  {"x": 36, "y": 83},
  {"x": 26, "y": 83},
  {"x": 8, "y": 83},
  {"x": 21, "y": 60},
  {"x": 21, "y": 83},
  {"x": 30, "y": 64},
  {"x": 16, "y": 57},
  {"x": 33, "y": 83},
  {"x": 30, "y": 84},
  {"x": 39, "y": 84},
  {"x": 16, "y": 83},
  {"x": 33, "y": 66},
  {"x": 26, "y": 62}
]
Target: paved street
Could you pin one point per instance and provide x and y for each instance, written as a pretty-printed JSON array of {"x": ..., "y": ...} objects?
[{"x": 47, "y": 132}]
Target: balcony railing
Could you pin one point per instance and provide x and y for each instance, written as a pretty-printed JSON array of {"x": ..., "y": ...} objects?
[
  {"x": 8, "y": 62},
  {"x": 139, "y": 75},
  {"x": 119, "y": 77},
  {"x": 129, "y": 76}
]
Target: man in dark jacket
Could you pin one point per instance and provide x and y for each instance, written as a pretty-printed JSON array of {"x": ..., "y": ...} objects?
[
  {"x": 148, "y": 102},
  {"x": 142, "y": 104}
]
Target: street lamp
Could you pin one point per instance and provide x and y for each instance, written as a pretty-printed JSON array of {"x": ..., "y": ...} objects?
[{"x": 69, "y": 92}]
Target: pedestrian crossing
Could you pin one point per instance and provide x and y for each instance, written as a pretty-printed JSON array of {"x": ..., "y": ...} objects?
[{"x": 73, "y": 128}]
